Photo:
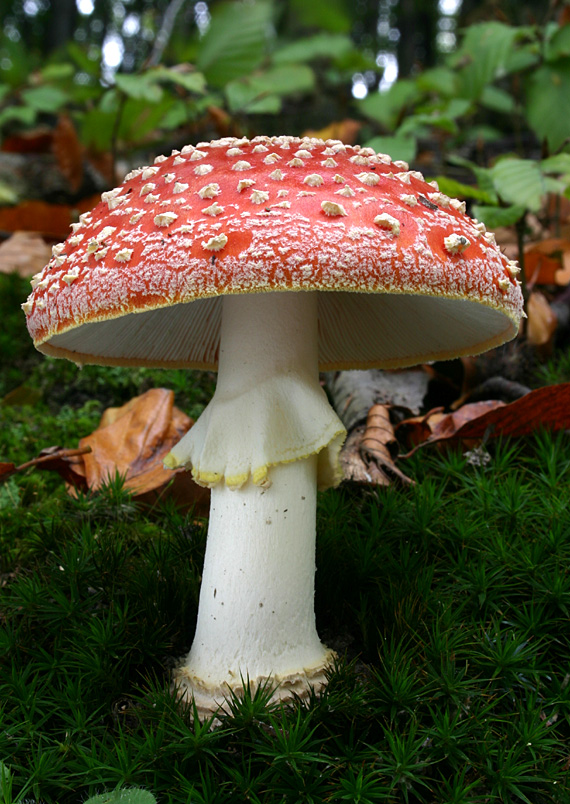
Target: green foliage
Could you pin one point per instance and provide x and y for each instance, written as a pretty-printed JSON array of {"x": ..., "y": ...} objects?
[{"x": 123, "y": 796}]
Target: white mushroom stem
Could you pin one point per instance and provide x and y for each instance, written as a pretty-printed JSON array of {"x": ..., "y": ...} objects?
[{"x": 256, "y": 613}]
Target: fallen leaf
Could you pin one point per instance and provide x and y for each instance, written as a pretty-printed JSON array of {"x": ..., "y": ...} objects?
[
  {"x": 544, "y": 408},
  {"x": 52, "y": 458},
  {"x": 542, "y": 323},
  {"x": 133, "y": 441},
  {"x": 24, "y": 253},
  {"x": 51, "y": 220},
  {"x": 344, "y": 130},
  {"x": 368, "y": 455},
  {"x": 545, "y": 262},
  {"x": 68, "y": 151}
]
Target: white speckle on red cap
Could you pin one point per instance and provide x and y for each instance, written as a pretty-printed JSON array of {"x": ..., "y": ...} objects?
[
  {"x": 134, "y": 173},
  {"x": 434, "y": 184},
  {"x": 259, "y": 197},
  {"x": 504, "y": 284},
  {"x": 147, "y": 188},
  {"x": 401, "y": 164},
  {"x": 347, "y": 192},
  {"x": 234, "y": 152},
  {"x": 70, "y": 277},
  {"x": 303, "y": 154},
  {"x": 165, "y": 218},
  {"x": 58, "y": 249},
  {"x": 203, "y": 170},
  {"x": 313, "y": 180},
  {"x": 136, "y": 217},
  {"x": 455, "y": 243},
  {"x": 389, "y": 222},
  {"x": 490, "y": 238},
  {"x": 197, "y": 155},
  {"x": 260, "y": 149},
  {"x": 282, "y": 193},
  {"x": 370, "y": 179},
  {"x": 296, "y": 162},
  {"x": 187, "y": 149},
  {"x": 213, "y": 210},
  {"x": 241, "y": 165},
  {"x": 243, "y": 184},
  {"x": 169, "y": 177},
  {"x": 270, "y": 159},
  {"x": 410, "y": 200},
  {"x": 209, "y": 191},
  {"x": 339, "y": 179},
  {"x": 457, "y": 205},
  {"x": 277, "y": 175},
  {"x": 439, "y": 198},
  {"x": 513, "y": 268},
  {"x": 27, "y": 307},
  {"x": 332, "y": 208},
  {"x": 149, "y": 172},
  {"x": 151, "y": 198},
  {"x": 329, "y": 163},
  {"x": 179, "y": 187},
  {"x": 124, "y": 255},
  {"x": 358, "y": 159},
  {"x": 216, "y": 243},
  {"x": 283, "y": 204},
  {"x": 159, "y": 160},
  {"x": 404, "y": 176},
  {"x": 100, "y": 253}
]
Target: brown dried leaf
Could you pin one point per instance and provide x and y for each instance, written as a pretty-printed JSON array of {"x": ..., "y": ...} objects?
[
  {"x": 547, "y": 408},
  {"x": 344, "y": 130},
  {"x": 542, "y": 323},
  {"x": 51, "y": 220},
  {"x": 24, "y": 253},
  {"x": 369, "y": 453},
  {"x": 52, "y": 458},
  {"x": 544, "y": 262},
  {"x": 133, "y": 440},
  {"x": 68, "y": 151}
]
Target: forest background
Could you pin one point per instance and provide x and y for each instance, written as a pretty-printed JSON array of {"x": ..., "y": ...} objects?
[{"x": 452, "y": 628}]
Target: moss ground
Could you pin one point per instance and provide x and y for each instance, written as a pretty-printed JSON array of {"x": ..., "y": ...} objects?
[{"x": 448, "y": 604}]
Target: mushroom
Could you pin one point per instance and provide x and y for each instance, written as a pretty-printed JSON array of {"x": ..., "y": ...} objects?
[{"x": 267, "y": 260}]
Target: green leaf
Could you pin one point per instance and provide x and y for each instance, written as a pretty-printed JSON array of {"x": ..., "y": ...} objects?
[
  {"x": 21, "y": 114},
  {"x": 495, "y": 217},
  {"x": 486, "y": 47},
  {"x": 321, "y": 45},
  {"x": 278, "y": 81},
  {"x": 131, "y": 796},
  {"x": 398, "y": 147},
  {"x": 139, "y": 87},
  {"x": 236, "y": 41},
  {"x": 497, "y": 100},
  {"x": 386, "y": 107},
  {"x": 192, "y": 81},
  {"x": 548, "y": 103},
  {"x": 483, "y": 176},
  {"x": 457, "y": 189},
  {"x": 328, "y": 15},
  {"x": 45, "y": 99},
  {"x": 440, "y": 80},
  {"x": 57, "y": 72},
  {"x": 556, "y": 164},
  {"x": 7, "y": 194},
  {"x": 558, "y": 46},
  {"x": 519, "y": 181}
]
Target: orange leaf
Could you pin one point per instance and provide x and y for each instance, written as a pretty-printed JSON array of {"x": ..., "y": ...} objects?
[
  {"x": 547, "y": 408},
  {"x": 24, "y": 253},
  {"x": 544, "y": 262},
  {"x": 542, "y": 322},
  {"x": 133, "y": 441},
  {"x": 68, "y": 152},
  {"x": 52, "y": 220}
]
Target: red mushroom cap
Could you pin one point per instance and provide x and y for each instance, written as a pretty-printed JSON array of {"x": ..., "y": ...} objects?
[{"x": 414, "y": 277}]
